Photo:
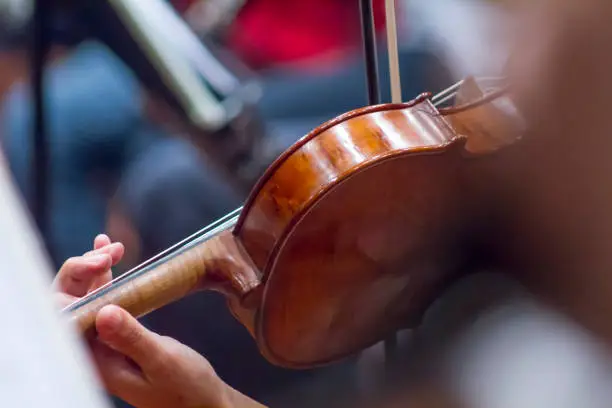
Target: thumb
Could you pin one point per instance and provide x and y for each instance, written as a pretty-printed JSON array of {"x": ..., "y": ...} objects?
[{"x": 123, "y": 333}]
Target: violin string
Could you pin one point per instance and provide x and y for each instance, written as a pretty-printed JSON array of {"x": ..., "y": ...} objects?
[
  {"x": 446, "y": 95},
  {"x": 483, "y": 100},
  {"x": 228, "y": 220},
  {"x": 141, "y": 271},
  {"x": 187, "y": 240},
  {"x": 445, "y": 99},
  {"x": 450, "y": 92}
]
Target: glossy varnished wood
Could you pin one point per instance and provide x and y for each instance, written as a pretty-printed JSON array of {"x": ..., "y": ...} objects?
[
  {"x": 326, "y": 155},
  {"x": 353, "y": 230}
]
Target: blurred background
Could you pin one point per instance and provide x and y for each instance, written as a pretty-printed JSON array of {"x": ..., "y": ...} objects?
[{"x": 159, "y": 116}]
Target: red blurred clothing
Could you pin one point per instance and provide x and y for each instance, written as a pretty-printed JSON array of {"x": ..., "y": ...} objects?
[{"x": 272, "y": 32}]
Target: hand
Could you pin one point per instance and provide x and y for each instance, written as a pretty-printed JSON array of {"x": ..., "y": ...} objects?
[{"x": 141, "y": 367}]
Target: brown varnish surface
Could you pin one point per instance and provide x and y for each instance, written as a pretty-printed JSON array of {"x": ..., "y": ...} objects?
[{"x": 353, "y": 229}]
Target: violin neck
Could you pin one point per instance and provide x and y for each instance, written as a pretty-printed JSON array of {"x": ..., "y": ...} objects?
[{"x": 217, "y": 263}]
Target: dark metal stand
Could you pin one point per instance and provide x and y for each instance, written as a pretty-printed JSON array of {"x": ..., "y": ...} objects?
[
  {"x": 369, "y": 51},
  {"x": 40, "y": 152}
]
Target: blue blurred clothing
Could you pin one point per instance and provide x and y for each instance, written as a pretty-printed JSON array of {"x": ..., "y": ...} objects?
[
  {"x": 95, "y": 124},
  {"x": 97, "y": 130},
  {"x": 169, "y": 192}
]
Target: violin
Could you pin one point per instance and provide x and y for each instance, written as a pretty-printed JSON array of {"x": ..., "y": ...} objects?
[{"x": 349, "y": 235}]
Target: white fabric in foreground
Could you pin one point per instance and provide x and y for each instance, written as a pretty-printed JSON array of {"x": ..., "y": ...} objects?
[{"x": 41, "y": 361}]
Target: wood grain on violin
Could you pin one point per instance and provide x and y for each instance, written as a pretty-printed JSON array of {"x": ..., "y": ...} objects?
[
  {"x": 216, "y": 264},
  {"x": 348, "y": 236}
]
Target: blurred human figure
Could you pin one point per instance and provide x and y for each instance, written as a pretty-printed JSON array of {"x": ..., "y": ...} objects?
[
  {"x": 87, "y": 121},
  {"x": 98, "y": 130}
]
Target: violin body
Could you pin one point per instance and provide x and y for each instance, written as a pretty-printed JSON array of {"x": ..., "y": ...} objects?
[
  {"x": 353, "y": 230},
  {"x": 347, "y": 237}
]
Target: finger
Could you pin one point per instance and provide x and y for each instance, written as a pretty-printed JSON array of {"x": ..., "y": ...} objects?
[
  {"x": 123, "y": 333},
  {"x": 101, "y": 240},
  {"x": 77, "y": 274},
  {"x": 115, "y": 250},
  {"x": 116, "y": 253},
  {"x": 119, "y": 376}
]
